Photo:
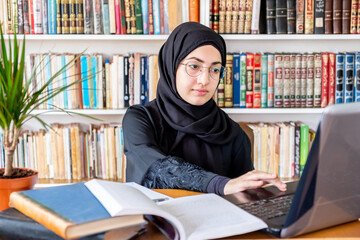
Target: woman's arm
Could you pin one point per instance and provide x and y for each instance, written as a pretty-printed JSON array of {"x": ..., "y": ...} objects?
[{"x": 149, "y": 166}]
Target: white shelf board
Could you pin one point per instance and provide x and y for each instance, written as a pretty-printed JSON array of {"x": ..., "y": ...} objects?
[
  {"x": 237, "y": 37},
  {"x": 288, "y": 111}
]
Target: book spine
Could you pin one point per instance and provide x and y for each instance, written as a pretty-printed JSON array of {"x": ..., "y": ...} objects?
[
  {"x": 346, "y": 12},
  {"x": 222, "y": 11},
  {"x": 337, "y": 16},
  {"x": 20, "y": 16},
  {"x": 317, "y": 79},
  {"x": 156, "y": 15},
  {"x": 309, "y": 16},
  {"x": 235, "y": 16},
  {"x": 339, "y": 78},
  {"x": 281, "y": 15},
  {"x": 292, "y": 79},
  {"x": 249, "y": 79},
  {"x": 72, "y": 17},
  {"x": 298, "y": 81},
  {"x": 38, "y": 24},
  {"x": 94, "y": 70},
  {"x": 319, "y": 27},
  {"x": 271, "y": 75},
  {"x": 310, "y": 80},
  {"x": 286, "y": 81},
  {"x": 221, "y": 93},
  {"x": 138, "y": 17},
  {"x": 236, "y": 80},
  {"x": 354, "y": 16},
  {"x": 242, "y": 7},
  {"x": 85, "y": 82},
  {"x": 304, "y": 146},
  {"x": 65, "y": 16},
  {"x": 357, "y": 78},
  {"x": 255, "y": 17},
  {"x": 242, "y": 80},
  {"x": 26, "y": 17},
  {"x": 215, "y": 7},
  {"x": 332, "y": 78},
  {"x": 79, "y": 12},
  {"x": 264, "y": 80},
  {"x": 297, "y": 151},
  {"x": 248, "y": 16},
  {"x": 257, "y": 81},
  {"x": 31, "y": 17},
  {"x": 122, "y": 16},
  {"x": 291, "y": 16},
  {"x": 278, "y": 81},
  {"x": 15, "y": 17},
  {"x": 105, "y": 17},
  {"x": 45, "y": 16},
  {"x": 194, "y": 11},
  {"x": 324, "y": 79},
  {"x": 328, "y": 16},
  {"x": 151, "y": 17},
  {"x": 270, "y": 16},
  {"x": 117, "y": 17},
  {"x": 303, "y": 79},
  {"x": 112, "y": 23},
  {"x": 97, "y": 17},
  {"x": 229, "y": 81},
  {"x": 126, "y": 82},
  {"x": 143, "y": 76},
  {"x": 145, "y": 19},
  {"x": 349, "y": 77},
  {"x": 88, "y": 17}
]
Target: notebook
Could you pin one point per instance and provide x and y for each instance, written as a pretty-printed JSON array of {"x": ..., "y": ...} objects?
[{"x": 328, "y": 192}]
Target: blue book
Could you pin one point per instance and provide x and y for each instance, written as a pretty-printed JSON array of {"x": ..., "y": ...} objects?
[
  {"x": 71, "y": 211},
  {"x": 236, "y": 80},
  {"x": 2, "y": 152},
  {"x": 145, "y": 13},
  {"x": 339, "y": 78},
  {"x": 94, "y": 79},
  {"x": 47, "y": 69},
  {"x": 85, "y": 82},
  {"x": 64, "y": 81},
  {"x": 156, "y": 14},
  {"x": 357, "y": 78},
  {"x": 143, "y": 80},
  {"x": 52, "y": 16},
  {"x": 105, "y": 16},
  {"x": 349, "y": 77}
]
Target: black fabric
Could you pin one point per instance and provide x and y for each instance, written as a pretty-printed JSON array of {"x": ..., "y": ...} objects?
[
  {"x": 175, "y": 173},
  {"x": 169, "y": 126},
  {"x": 217, "y": 185}
]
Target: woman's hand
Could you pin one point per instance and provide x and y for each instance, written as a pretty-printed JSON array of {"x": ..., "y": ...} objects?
[{"x": 251, "y": 180}]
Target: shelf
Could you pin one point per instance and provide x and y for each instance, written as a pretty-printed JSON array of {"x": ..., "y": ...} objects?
[
  {"x": 99, "y": 112},
  {"x": 237, "y": 37}
]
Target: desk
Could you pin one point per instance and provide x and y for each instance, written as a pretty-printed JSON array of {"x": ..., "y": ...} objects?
[{"x": 348, "y": 230}]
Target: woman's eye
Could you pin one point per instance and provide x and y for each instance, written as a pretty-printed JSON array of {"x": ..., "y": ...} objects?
[
  {"x": 194, "y": 66},
  {"x": 215, "y": 70}
]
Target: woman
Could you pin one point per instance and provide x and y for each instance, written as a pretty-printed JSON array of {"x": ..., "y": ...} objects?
[{"x": 182, "y": 139}]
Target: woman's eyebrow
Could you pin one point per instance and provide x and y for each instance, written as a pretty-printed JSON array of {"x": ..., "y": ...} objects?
[{"x": 199, "y": 60}]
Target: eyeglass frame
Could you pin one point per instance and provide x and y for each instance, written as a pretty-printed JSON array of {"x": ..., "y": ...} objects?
[{"x": 222, "y": 71}]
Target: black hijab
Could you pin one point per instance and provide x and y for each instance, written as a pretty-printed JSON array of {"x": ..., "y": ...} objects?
[{"x": 197, "y": 128}]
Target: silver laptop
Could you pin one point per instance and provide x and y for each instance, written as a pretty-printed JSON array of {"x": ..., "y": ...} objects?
[{"x": 328, "y": 192}]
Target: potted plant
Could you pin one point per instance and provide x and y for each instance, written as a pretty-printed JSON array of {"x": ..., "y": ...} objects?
[{"x": 16, "y": 107}]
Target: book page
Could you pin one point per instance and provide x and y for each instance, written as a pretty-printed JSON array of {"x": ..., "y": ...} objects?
[
  {"x": 210, "y": 216},
  {"x": 123, "y": 199}
]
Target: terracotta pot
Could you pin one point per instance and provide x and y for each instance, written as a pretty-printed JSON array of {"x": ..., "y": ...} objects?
[{"x": 7, "y": 186}]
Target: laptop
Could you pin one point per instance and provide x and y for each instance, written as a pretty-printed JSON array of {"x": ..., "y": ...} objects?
[{"x": 328, "y": 192}]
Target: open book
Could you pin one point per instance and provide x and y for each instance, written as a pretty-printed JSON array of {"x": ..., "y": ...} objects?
[
  {"x": 81, "y": 209},
  {"x": 201, "y": 216}
]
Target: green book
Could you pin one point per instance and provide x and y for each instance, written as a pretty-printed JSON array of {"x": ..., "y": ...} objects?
[
  {"x": 139, "y": 18},
  {"x": 304, "y": 145}
]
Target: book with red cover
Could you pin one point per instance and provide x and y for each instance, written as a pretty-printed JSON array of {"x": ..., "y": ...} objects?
[
  {"x": 324, "y": 79},
  {"x": 249, "y": 79},
  {"x": 257, "y": 81}
]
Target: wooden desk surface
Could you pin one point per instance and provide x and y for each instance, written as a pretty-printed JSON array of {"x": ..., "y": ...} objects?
[{"x": 349, "y": 230}]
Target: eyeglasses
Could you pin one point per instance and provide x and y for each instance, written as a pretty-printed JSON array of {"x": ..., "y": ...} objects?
[{"x": 194, "y": 69}]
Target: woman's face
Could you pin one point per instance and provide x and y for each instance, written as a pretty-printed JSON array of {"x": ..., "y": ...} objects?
[{"x": 197, "y": 90}]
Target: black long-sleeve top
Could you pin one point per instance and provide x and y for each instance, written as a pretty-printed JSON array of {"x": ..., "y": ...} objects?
[{"x": 151, "y": 163}]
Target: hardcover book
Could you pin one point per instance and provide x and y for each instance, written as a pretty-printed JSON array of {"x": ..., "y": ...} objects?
[{"x": 83, "y": 208}]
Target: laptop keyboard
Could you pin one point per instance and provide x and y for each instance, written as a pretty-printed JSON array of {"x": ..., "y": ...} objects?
[{"x": 269, "y": 208}]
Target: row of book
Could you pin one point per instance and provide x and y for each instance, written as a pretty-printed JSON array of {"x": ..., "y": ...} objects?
[
  {"x": 265, "y": 80},
  {"x": 97, "y": 84},
  {"x": 285, "y": 16},
  {"x": 70, "y": 152},
  {"x": 280, "y": 147},
  {"x": 252, "y": 80},
  {"x": 86, "y": 16}
]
